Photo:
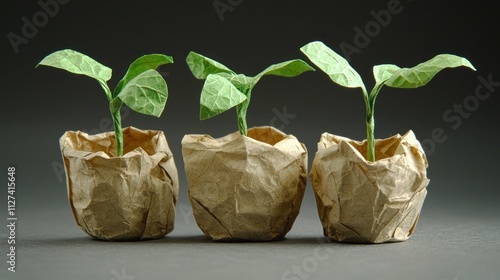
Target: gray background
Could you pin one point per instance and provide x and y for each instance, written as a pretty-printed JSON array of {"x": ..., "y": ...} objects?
[{"x": 458, "y": 234}]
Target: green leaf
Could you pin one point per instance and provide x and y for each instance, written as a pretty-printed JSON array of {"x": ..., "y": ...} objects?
[
  {"x": 147, "y": 93},
  {"x": 77, "y": 63},
  {"x": 383, "y": 72},
  {"x": 334, "y": 65},
  {"x": 421, "y": 74},
  {"x": 289, "y": 68},
  {"x": 217, "y": 96},
  {"x": 240, "y": 81},
  {"x": 202, "y": 66},
  {"x": 143, "y": 63}
]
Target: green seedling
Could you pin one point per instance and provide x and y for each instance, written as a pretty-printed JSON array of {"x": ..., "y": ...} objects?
[
  {"x": 224, "y": 89},
  {"x": 340, "y": 72},
  {"x": 142, "y": 88}
]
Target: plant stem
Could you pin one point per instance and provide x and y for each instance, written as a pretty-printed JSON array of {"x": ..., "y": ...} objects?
[
  {"x": 114, "y": 106},
  {"x": 117, "y": 123},
  {"x": 370, "y": 136},
  {"x": 370, "y": 124},
  {"x": 241, "y": 112}
]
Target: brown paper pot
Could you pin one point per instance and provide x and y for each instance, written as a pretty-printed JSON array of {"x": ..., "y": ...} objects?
[
  {"x": 131, "y": 197},
  {"x": 369, "y": 202},
  {"x": 245, "y": 188}
]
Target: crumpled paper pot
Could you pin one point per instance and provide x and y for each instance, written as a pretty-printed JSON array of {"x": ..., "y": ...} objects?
[
  {"x": 131, "y": 197},
  {"x": 369, "y": 202},
  {"x": 245, "y": 188}
]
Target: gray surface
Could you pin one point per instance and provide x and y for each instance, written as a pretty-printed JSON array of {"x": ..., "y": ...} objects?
[
  {"x": 446, "y": 245},
  {"x": 458, "y": 234}
]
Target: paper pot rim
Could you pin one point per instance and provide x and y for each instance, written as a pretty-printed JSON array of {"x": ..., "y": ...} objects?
[
  {"x": 278, "y": 137},
  {"x": 131, "y": 197},
  {"x": 74, "y": 143},
  {"x": 244, "y": 189},
  {"x": 391, "y": 146},
  {"x": 369, "y": 202}
]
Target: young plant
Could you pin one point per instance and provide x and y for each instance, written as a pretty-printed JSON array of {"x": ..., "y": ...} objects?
[
  {"x": 142, "y": 88},
  {"x": 340, "y": 72},
  {"x": 224, "y": 89}
]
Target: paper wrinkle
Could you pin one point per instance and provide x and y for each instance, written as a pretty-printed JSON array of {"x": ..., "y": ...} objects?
[
  {"x": 369, "y": 202},
  {"x": 132, "y": 197},
  {"x": 245, "y": 187}
]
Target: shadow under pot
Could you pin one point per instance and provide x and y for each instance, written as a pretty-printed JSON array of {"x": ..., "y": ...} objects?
[
  {"x": 131, "y": 197},
  {"x": 369, "y": 202},
  {"x": 245, "y": 188}
]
